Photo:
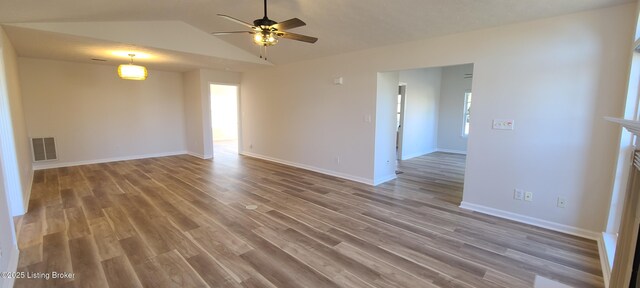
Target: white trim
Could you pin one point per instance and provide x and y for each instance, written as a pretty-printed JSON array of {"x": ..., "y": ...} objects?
[
  {"x": 210, "y": 124},
  {"x": 632, "y": 126},
  {"x": 432, "y": 151},
  {"x": 451, "y": 151},
  {"x": 607, "y": 250},
  {"x": 310, "y": 168},
  {"x": 11, "y": 267},
  {"x": 28, "y": 194},
  {"x": 10, "y": 166},
  {"x": 407, "y": 157},
  {"x": 105, "y": 160},
  {"x": 381, "y": 180},
  {"x": 194, "y": 154},
  {"x": 532, "y": 221}
]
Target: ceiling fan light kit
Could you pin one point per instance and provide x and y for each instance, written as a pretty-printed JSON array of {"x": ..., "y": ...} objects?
[
  {"x": 266, "y": 32},
  {"x": 265, "y": 38},
  {"x": 132, "y": 72}
]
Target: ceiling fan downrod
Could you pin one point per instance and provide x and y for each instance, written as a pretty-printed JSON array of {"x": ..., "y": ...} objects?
[{"x": 265, "y": 9}]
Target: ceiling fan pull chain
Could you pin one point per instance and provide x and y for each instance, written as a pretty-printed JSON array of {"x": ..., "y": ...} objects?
[{"x": 265, "y": 52}]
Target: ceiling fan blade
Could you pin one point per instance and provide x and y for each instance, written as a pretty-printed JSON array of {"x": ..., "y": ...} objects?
[
  {"x": 230, "y": 32},
  {"x": 298, "y": 37},
  {"x": 236, "y": 20},
  {"x": 289, "y": 24}
]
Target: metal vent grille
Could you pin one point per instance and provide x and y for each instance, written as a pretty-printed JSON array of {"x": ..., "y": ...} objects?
[{"x": 44, "y": 149}]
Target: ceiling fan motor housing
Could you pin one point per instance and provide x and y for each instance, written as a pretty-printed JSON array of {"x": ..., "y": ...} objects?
[{"x": 264, "y": 22}]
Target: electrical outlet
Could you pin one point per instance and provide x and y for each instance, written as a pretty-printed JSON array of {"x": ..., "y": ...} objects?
[
  {"x": 562, "y": 202},
  {"x": 0, "y": 253},
  {"x": 528, "y": 196},
  {"x": 518, "y": 194}
]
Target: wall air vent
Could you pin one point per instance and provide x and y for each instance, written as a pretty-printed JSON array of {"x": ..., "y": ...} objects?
[{"x": 44, "y": 149}]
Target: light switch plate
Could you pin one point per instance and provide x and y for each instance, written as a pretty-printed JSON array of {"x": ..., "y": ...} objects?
[
  {"x": 503, "y": 124},
  {"x": 518, "y": 194}
]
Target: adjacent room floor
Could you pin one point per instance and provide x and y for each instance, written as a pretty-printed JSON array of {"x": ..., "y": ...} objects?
[
  {"x": 440, "y": 175},
  {"x": 240, "y": 222}
]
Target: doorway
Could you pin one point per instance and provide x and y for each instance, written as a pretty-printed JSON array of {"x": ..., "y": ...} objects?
[
  {"x": 400, "y": 118},
  {"x": 432, "y": 121},
  {"x": 224, "y": 118}
]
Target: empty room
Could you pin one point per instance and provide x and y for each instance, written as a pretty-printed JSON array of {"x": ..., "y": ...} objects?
[{"x": 288, "y": 143}]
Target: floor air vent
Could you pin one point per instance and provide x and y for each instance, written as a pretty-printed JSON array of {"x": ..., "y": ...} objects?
[{"x": 44, "y": 149}]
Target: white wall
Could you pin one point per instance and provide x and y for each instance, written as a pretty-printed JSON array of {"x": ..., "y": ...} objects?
[
  {"x": 14, "y": 170},
  {"x": 96, "y": 116},
  {"x": 193, "y": 113},
  {"x": 8, "y": 243},
  {"x": 13, "y": 141},
  {"x": 563, "y": 70},
  {"x": 198, "y": 107},
  {"x": 626, "y": 145},
  {"x": 422, "y": 97},
  {"x": 555, "y": 77},
  {"x": 296, "y": 115},
  {"x": 385, "y": 148},
  {"x": 451, "y": 110}
]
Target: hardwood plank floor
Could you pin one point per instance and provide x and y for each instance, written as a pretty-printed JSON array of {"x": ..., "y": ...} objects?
[{"x": 185, "y": 222}]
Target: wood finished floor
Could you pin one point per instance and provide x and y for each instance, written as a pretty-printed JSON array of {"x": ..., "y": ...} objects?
[{"x": 182, "y": 222}]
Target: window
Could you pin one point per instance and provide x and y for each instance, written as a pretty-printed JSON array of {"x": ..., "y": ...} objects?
[
  {"x": 401, "y": 91},
  {"x": 466, "y": 114}
]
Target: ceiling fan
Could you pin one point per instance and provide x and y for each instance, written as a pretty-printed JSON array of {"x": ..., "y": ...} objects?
[{"x": 266, "y": 31}]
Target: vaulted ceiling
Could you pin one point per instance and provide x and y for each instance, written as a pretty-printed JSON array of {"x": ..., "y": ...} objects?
[{"x": 175, "y": 33}]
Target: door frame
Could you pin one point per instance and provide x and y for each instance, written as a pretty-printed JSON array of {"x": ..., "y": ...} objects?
[
  {"x": 209, "y": 125},
  {"x": 402, "y": 90}
]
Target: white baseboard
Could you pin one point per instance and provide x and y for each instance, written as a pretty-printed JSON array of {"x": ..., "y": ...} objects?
[
  {"x": 381, "y": 180},
  {"x": 201, "y": 156},
  {"x": 607, "y": 251},
  {"x": 12, "y": 267},
  {"x": 532, "y": 221},
  {"x": 407, "y": 157},
  {"x": 50, "y": 165},
  {"x": 310, "y": 168},
  {"x": 452, "y": 151},
  {"x": 28, "y": 194}
]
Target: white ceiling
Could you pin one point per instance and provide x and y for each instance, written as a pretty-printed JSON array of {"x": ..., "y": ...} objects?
[{"x": 341, "y": 26}]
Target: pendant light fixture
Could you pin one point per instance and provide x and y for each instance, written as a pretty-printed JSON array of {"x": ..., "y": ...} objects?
[{"x": 132, "y": 72}]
